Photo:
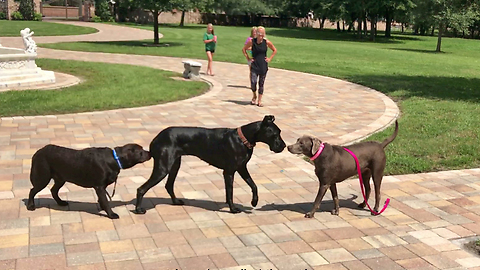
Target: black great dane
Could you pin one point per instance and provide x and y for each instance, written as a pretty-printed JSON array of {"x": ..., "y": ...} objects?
[{"x": 225, "y": 148}]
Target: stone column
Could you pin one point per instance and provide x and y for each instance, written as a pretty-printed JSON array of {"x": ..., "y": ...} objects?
[
  {"x": 38, "y": 6},
  {"x": 11, "y": 7}
]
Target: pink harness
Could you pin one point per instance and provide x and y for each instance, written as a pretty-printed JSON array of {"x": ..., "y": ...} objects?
[{"x": 359, "y": 170}]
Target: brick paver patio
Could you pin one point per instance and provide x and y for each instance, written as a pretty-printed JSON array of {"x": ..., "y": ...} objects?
[{"x": 427, "y": 211}]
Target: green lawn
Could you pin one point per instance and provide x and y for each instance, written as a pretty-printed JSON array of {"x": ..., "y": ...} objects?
[
  {"x": 438, "y": 93},
  {"x": 12, "y": 28},
  {"x": 105, "y": 86}
]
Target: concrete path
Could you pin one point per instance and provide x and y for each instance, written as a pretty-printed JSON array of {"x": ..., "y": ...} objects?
[{"x": 427, "y": 211}]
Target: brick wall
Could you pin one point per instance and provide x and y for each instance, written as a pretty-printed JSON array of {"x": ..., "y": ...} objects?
[{"x": 72, "y": 12}]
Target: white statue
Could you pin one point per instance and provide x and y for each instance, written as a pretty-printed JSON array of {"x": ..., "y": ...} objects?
[{"x": 30, "y": 45}]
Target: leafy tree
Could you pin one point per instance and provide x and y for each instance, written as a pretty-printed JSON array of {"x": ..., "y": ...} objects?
[
  {"x": 457, "y": 14},
  {"x": 241, "y": 7},
  {"x": 188, "y": 5},
  {"x": 156, "y": 7},
  {"x": 423, "y": 16},
  {"x": 124, "y": 7}
]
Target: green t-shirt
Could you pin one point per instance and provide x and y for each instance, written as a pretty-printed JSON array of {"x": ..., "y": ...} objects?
[{"x": 211, "y": 45}]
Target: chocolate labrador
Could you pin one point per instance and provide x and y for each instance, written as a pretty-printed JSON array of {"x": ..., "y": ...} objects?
[
  {"x": 90, "y": 168},
  {"x": 333, "y": 165}
]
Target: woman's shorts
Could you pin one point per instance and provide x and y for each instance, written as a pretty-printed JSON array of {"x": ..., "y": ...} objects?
[{"x": 212, "y": 51}]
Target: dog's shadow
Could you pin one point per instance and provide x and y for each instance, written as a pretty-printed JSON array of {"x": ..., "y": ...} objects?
[
  {"x": 304, "y": 207},
  {"x": 151, "y": 202},
  {"x": 78, "y": 206},
  {"x": 147, "y": 203}
]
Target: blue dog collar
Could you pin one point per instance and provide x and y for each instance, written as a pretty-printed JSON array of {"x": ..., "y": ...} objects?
[{"x": 117, "y": 159}]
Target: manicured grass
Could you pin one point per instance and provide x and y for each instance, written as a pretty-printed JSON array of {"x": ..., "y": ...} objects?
[
  {"x": 106, "y": 86},
  {"x": 438, "y": 93},
  {"x": 12, "y": 28}
]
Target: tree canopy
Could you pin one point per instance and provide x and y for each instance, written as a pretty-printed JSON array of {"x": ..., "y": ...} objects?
[{"x": 423, "y": 16}]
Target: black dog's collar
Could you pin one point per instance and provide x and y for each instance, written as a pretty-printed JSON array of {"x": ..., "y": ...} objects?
[
  {"x": 117, "y": 159},
  {"x": 244, "y": 140}
]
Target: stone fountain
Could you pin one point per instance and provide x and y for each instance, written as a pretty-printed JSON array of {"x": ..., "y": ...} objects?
[{"x": 18, "y": 68}]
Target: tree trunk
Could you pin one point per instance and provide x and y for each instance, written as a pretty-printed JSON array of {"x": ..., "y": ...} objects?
[
  {"x": 388, "y": 26},
  {"x": 373, "y": 29},
  {"x": 403, "y": 28},
  {"x": 182, "y": 20},
  {"x": 359, "y": 29},
  {"x": 439, "y": 40},
  {"x": 338, "y": 26},
  {"x": 433, "y": 31},
  {"x": 350, "y": 27},
  {"x": 365, "y": 26},
  {"x": 343, "y": 25},
  {"x": 322, "y": 22},
  {"x": 156, "y": 37}
]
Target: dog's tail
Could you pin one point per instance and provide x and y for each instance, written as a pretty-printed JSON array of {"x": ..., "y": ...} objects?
[{"x": 391, "y": 138}]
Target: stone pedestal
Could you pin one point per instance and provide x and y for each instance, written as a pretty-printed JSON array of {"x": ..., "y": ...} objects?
[
  {"x": 18, "y": 69},
  {"x": 192, "y": 70}
]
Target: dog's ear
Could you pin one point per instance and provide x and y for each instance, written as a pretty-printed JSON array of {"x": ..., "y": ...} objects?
[
  {"x": 268, "y": 119},
  {"x": 315, "y": 145}
]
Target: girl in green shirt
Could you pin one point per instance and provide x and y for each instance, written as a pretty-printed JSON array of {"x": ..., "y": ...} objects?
[{"x": 210, "y": 41}]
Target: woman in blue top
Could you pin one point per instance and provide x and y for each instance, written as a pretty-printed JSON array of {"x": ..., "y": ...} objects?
[
  {"x": 210, "y": 41},
  {"x": 260, "y": 61}
]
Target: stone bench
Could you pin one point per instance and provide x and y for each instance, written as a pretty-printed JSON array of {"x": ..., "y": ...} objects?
[{"x": 192, "y": 69}]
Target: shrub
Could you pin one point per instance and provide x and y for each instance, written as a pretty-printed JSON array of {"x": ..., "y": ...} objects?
[
  {"x": 27, "y": 9},
  {"x": 102, "y": 10},
  {"x": 3, "y": 16},
  {"x": 96, "y": 19},
  {"x": 16, "y": 15},
  {"x": 37, "y": 17}
]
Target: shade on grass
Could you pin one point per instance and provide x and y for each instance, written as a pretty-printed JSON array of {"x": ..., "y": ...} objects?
[
  {"x": 105, "y": 86},
  {"x": 438, "y": 93}
]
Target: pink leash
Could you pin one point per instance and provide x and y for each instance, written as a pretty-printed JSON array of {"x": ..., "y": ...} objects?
[{"x": 361, "y": 185}]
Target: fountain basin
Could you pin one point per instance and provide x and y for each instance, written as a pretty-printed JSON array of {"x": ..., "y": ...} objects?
[{"x": 18, "y": 70}]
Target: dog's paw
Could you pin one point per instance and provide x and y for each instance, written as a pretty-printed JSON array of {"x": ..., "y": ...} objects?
[
  {"x": 62, "y": 203},
  {"x": 140, "y": 211},
  {"x": 31, "y": 207},
  {"x": 362, "y": 205},
  {"x": 254, "y": 201},
  {"x": 113, "y": 216},
  {"x": 235, "y": 210},
  {"x": 309, "y": 215},
  {"x": 178, "y": 202},
  {"x": 335, "y": 212}
]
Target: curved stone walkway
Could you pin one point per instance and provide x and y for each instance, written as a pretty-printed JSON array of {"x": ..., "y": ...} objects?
[{"x": 414, "y": 232}]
